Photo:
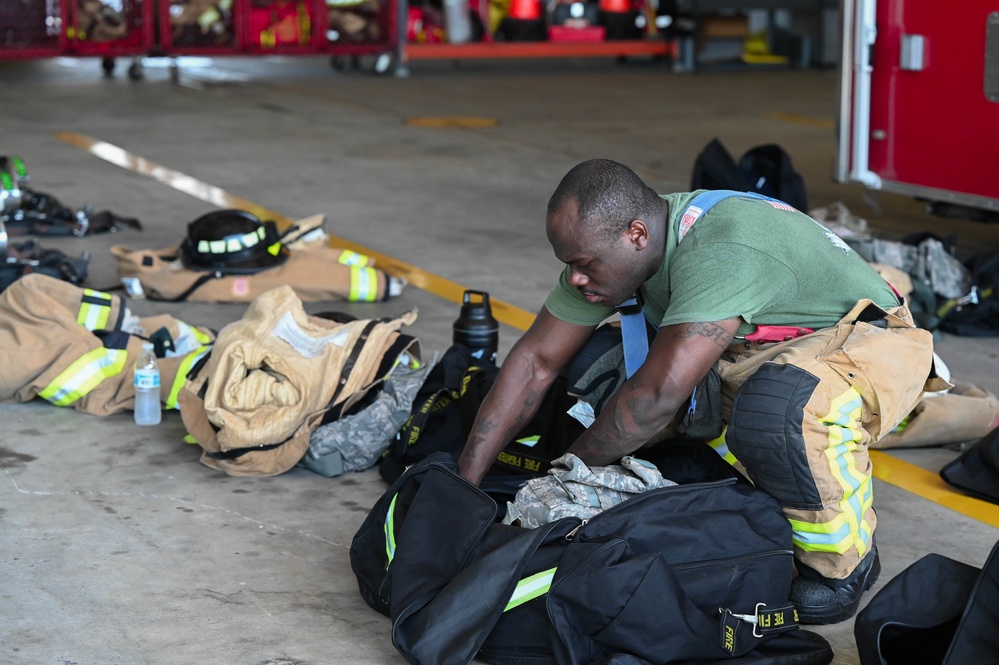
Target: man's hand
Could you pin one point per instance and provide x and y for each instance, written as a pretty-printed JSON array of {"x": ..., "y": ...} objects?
[
  {"x": 524, "y": 379},
  {"x": 679, "y": 357}
]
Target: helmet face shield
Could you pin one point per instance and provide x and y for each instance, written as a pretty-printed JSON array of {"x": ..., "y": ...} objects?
[{"x": 232, "y": 241}]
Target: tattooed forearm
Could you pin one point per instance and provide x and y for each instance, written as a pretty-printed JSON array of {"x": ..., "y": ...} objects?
[
  {"x": 718, "y": 335},
  {"x": 628, "y": 422}
]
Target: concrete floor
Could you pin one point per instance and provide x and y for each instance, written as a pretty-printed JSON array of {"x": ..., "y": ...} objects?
[{"x": 117, "y": 546}]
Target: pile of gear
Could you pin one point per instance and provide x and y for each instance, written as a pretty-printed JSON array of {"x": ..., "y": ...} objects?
[{"x": 26, "y": 212}]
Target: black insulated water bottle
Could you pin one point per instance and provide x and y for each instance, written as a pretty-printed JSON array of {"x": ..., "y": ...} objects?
[{"x": 476, "y": 328}]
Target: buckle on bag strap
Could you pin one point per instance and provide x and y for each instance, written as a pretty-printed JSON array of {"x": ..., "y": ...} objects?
[{"x": 766, "y": 621}]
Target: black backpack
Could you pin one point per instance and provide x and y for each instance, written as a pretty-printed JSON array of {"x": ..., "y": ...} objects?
[
  {"x": 668, "y": 577},
  {"x": 765, "y": 169}
]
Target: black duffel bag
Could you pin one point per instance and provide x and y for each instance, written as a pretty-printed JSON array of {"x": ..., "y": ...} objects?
[
  {"x": 697, "y": 573},
  {"x": 938, "y": 611}
]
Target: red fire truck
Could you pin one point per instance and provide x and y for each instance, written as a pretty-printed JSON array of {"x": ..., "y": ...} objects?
[{"x": 919, "y": 100}]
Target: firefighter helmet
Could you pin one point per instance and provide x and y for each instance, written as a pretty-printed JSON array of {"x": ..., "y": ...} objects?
[{"x": 232, "y": 241}]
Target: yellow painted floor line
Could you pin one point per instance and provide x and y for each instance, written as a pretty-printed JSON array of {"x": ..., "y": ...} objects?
[
  {"x": 886, "y": 467},
  {"x": 931, "y": 486},
  {"x": 440, "y": 286},
  {"x": 803, "y": 120}
]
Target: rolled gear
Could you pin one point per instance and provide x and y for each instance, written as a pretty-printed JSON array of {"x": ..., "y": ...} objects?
[{"x": 276, "y": 373}]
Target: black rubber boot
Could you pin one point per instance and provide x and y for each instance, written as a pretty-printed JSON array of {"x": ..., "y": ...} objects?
[{"x": 820, "y": 600}]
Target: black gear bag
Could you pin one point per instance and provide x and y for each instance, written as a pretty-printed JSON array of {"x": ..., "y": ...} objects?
[
  {"x": 765, "y": 169},
  {"x": 444, "y": 411},
  {"x": 688, "y": 574},
  {"x": 938, "y": 611},
  {"x": 976, "y": 470}
]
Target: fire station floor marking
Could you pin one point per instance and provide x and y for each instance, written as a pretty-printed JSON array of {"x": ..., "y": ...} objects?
[
  {"x": 451, "y": 122},
  {"x": 887, "y": 468},
  {"x": 435, "y": 284},
  {"x": 802, "y": 120},
  {"x": 931, "y": 486}
]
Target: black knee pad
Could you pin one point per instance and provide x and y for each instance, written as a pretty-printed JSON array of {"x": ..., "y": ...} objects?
[{"x": 764, "y": 433}]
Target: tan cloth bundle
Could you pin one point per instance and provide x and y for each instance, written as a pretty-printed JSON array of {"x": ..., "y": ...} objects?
[
  {"x": 75, "y": 347},
  {"x": 314, "y": 270},
  {"x": 965, "y": 413},
  {"x": 275, "y": 373}
]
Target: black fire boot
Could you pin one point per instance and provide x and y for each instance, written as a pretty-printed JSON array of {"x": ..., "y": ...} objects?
[{"x": 821, "y": 600}]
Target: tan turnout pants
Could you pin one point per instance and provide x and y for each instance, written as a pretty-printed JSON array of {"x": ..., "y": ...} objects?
[{"x": 801, "y": 414}]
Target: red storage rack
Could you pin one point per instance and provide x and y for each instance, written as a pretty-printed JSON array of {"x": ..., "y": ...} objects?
[
  {"x": 114, "y": 28},
  {"x": 202, "y": 27},
  {"x": 282, "y": 27},
  {"x": 33, "y": 29},
  {"x": 352, "y": 28},
  {"x": 110, "y": 28}
]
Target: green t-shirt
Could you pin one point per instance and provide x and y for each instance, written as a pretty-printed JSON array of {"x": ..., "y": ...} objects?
[{"x": 759, "y": 260}]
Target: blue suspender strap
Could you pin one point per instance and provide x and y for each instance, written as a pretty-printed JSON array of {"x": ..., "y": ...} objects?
[
  {"x": 633, "y": 331},
  {"x": 634, "y": 334},
  {"x": 706, "y": 200}
]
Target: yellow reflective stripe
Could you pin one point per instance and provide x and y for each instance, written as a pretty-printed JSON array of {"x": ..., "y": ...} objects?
[
  {"x": 849, "y": 529},
  {"x": 530, "y": 441},
  {"x": 202, "y": 337},
  {"x": 84, "y": 375},
  {"x": 91, "y": 315},
  {"x": 390, "y": 532},
  {"x": 530, "y": 588},
  {"x": 274, "y": 249},
  {"x": 351, "y": 258},
  {"x": 721, "y": 447},
  {"x": 181, "y": 378},
  {"x": 363, "y": 284}
]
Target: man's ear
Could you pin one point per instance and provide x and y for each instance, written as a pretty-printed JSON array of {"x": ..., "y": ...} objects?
[{"x": 638, "y": 234}]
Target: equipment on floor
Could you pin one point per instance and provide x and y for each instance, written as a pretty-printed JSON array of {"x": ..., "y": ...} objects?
[
  {"x": 273, "y": 377},
  {"x": 233, "y": 242},
  {"x": 976, "y": 470},
  {"x": 689, "y": 573},
  {"x": 476, "y": 328},
  {"x": 444, "y": 410},
  {"x": 231, "y": 256},
  {"x": 27, "y": 257},
  {"x": 938, "y": 611},
  {"x": 74, "y": 347},
  {"x": 765, "y": 169},
  {"x": 25, "y": 211},
  {"x": 976, "y": 313}
]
